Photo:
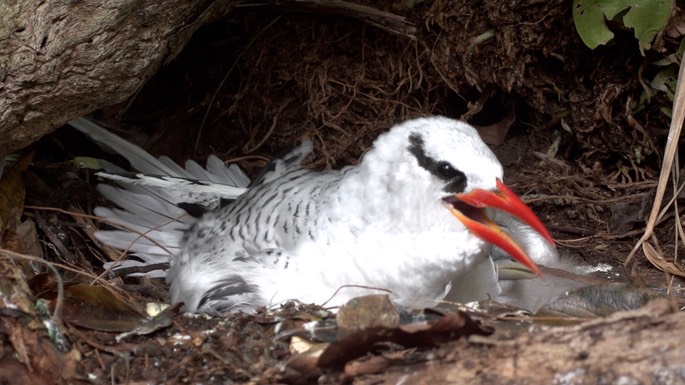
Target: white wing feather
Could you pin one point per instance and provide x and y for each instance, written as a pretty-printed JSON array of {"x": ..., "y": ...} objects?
[{"x": 148, "y": 202}]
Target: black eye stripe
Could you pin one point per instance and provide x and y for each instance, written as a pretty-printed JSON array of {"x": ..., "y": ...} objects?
[
  {"x": 446, "y": 172},
  {"x": 456, "y": 180}
]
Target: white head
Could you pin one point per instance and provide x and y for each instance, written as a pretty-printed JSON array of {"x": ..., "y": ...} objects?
[
  {"x": 450, "y": 156},
  {"x": 427, "y": 167}
]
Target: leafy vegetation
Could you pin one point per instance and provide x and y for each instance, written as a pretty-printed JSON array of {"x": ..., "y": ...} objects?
[{"x": 645, "y": 17}]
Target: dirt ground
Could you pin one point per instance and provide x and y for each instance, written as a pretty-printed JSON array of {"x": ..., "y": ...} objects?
[{"x": 559, "y": 116}]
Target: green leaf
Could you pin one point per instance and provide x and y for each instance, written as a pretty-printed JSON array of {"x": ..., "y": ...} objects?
[
  {"x": 87, "y": 162},
  {"x": 588, "y": 18},
  {"x": 645, "y": 17},
  {"x": 666, "y": 81}
]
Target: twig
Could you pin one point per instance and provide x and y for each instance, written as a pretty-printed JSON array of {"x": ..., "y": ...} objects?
[
  {"x": 668, "y": 161},
  {"x": 389, "y": 22}
]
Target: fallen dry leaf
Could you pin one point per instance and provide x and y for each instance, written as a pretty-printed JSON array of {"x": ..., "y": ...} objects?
[
  {"x": 495, "y": 133},
  {"x": 29, "y": 355},
  {"x": 450, "y": 327},
  {"x": 19, "y": 237},
  {"x": 660, "y": 262},
  {"x": 96, "y": 307},
  {"x": 92, "y": 307},
  {"x": 12, "y": 190},
  {"x": 375, "y": 364},
  {"x": 147, "y": 325}
]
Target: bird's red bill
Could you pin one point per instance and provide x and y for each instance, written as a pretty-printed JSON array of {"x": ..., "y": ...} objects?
[
  {"x": 474, "y": 218},
  {"x": 506, "y": 200}
]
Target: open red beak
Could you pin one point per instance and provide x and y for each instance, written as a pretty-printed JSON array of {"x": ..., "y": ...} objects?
[{"x": 468, "y": 208}]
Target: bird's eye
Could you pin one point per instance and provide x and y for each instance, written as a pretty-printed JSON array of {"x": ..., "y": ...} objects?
[{"x": 445, "y": 171}]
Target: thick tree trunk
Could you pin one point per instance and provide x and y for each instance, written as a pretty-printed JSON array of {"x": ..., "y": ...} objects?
[
  {"x": 62, "y": 59},
  {"x": 646, "y": 346}
]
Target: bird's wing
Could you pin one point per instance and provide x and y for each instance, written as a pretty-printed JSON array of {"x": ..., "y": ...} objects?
[
  {"x": 227, "y": 282},
  {"x": 151, "y": 228},
  {"x": 284, "y": 163},
  {"x": 154, "y": 202},
  {"x": 192, "y": 185},
  {"x": 202, "y": 195},
  {"x": 139, "y": 158}
]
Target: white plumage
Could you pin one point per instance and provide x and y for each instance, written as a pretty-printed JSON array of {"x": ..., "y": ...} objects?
[{"x": 295, "y": 234}]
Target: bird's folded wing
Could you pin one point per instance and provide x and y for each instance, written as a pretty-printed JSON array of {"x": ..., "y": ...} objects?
[
  {"x": 284, "y": 163},
  {"x": 139, "y": 158},
  {"x": 153, "y": 201}
]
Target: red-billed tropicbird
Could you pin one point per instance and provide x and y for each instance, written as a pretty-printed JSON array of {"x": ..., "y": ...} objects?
[{"x": 413, "y": 217}]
